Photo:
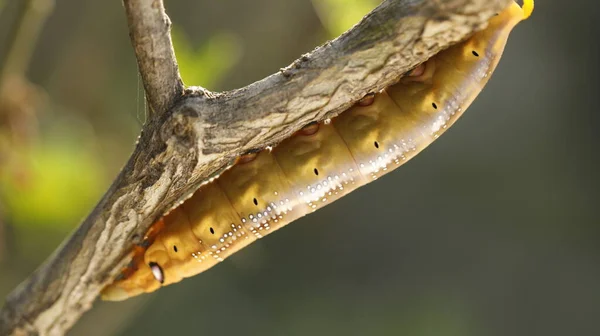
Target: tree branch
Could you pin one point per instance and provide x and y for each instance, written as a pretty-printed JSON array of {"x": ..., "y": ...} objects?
[
  {"x": 150, "y": 33},
  {"x": 203, "y": 132}
]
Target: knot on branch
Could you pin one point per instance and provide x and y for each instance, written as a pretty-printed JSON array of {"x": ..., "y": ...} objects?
[{"x": 178, "y": 130}]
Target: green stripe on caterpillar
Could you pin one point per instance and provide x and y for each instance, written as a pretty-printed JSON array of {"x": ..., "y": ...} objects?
[{"x": 265, "y": 191}]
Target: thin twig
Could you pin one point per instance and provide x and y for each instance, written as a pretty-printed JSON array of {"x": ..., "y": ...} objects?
[
  {"x": 14, "y": 61},
  {"x": 150, "y": 33},
  {"x": 202, "y": 133},
  {"x": 23, "y": 37}
]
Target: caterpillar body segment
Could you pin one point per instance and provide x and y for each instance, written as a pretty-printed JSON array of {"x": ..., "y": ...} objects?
[
  {"x": 265, "y": 191},
  {"x": 320, "y": 168}
]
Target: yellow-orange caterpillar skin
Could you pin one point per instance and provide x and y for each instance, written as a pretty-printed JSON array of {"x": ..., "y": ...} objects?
[{"x": 265, "y": 191}]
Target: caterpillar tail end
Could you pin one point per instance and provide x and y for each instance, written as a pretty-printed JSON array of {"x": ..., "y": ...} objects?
[
  {"x": 114, "y": 293},
  {"x": 528, "y": 6}
]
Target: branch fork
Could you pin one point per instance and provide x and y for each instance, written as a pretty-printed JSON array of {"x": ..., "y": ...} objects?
[{"x": 193, "y": 134}]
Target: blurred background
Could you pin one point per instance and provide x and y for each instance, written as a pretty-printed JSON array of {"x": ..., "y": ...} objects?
[{"x": 493, "y": 230}]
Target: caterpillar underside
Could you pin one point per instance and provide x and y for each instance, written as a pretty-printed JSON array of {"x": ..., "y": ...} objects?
[{"x": 322, "y": 162}]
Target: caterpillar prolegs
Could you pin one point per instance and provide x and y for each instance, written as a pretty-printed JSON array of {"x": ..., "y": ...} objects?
[{"x": 265, "y": 191}]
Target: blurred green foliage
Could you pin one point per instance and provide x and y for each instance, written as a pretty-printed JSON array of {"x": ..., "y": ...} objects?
[
  {"x": 54, "y": 182},
  {"x": 340, "y": 15},
  {"x": 206, "y": 65}
]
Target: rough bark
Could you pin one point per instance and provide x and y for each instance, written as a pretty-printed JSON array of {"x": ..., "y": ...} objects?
[
  {"x": 150, "y": 33},
  {"x": 198, "y": 134}
]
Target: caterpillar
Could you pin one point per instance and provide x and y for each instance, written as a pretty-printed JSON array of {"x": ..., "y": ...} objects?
[{"x": 322, "y": 162}]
